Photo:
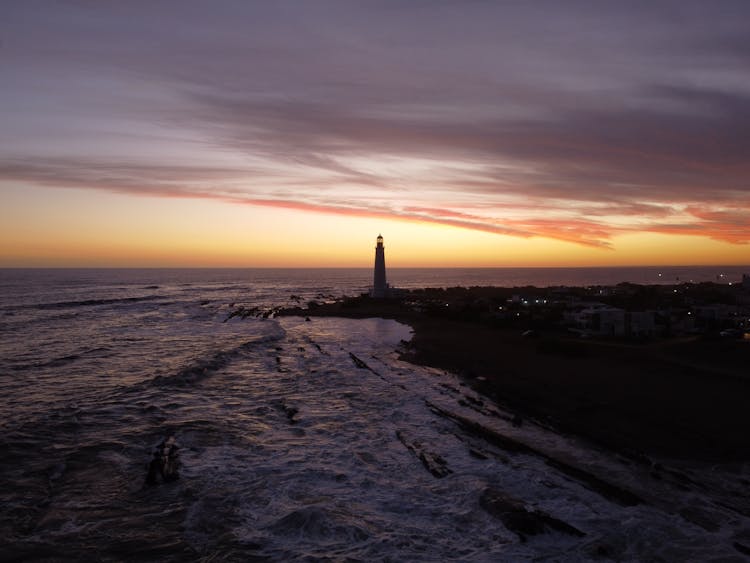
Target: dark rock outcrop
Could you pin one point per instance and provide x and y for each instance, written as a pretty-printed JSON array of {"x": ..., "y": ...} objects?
[
  {"x": 608, "y": 490},
  {"x": 745, "y": 550},
  {"x": 289, "y": 411},
  {"x": 359, "y": 363},
  {"x": 520, "y": 520},
  {"x": 432, "y": 462},
  {"x": 165, "y": 463}
]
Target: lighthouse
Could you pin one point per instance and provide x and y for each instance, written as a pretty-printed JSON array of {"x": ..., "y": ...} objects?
[{"x": 379, "y": 287}]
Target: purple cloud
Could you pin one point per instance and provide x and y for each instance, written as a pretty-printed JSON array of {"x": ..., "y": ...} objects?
[{"x": 577, "y": 122}]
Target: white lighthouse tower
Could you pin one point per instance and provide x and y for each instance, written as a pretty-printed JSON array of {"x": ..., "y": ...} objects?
[{"x": 379, "y": 287}]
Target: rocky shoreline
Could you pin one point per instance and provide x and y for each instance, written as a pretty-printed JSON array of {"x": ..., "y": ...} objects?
[{"x": 656, "y": 399}]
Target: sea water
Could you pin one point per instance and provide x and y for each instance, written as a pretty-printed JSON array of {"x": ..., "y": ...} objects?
[{"x": 299, "y": 440}]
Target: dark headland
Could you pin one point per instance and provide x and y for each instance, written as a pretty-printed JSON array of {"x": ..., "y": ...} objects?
[{"x": 644, "y": 370}]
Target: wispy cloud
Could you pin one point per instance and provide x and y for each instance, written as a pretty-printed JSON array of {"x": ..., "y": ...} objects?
[
  {"x": 232, "y": 186},
  {"x": 612, "y": 120}
]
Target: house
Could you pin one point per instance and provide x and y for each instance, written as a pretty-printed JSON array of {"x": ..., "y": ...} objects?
[
  {"x": 640, "y": 323},
  {"x": 611, "y": 321},
  {"x": 603, "y": 321}
]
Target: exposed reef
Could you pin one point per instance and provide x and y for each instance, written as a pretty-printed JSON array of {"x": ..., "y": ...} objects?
[{"x": 668, "y": 395}]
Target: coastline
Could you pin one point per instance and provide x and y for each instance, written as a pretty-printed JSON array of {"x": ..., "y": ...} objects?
[{"x": 655, "y": 399}]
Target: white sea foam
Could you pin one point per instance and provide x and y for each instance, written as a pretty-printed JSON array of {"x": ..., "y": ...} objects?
[{"x": 336, "y": 480}]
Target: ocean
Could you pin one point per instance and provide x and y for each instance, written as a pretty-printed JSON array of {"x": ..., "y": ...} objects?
[{"x": 298, "y": 440}]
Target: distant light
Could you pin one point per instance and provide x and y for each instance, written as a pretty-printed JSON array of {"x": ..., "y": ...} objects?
[
  {"x": 659, "y": 274},
  {"x": 674, "y": 290},
  {"x": 690, "y": 313},
  {"x": 730, "y": 283}
]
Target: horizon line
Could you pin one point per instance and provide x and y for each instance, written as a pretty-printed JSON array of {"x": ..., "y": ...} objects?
[{"x": 370, "y": 268}]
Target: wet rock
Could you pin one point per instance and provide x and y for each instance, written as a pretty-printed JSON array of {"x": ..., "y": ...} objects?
[
  {"x": 359, "y": 363},
  {"x": 434, "y": 464},
  {"x": 316, "y": 523},
  {"x": 242, "y": 312},
  {"x": 431, "y": 461},
  {"x": 520, "y": 520},
  {"x": 366, "y": 457},
  {"x": 477, "y": 454},
  {"x": 610, "y": 491},
  {"x": 701, "y": 517},
  {"x": 317, "y": 346},
  {"x": 482, "y": 432},
  {"x": 290, "y": 412},
  {"x": 279, "y": 367},
  {"x": 474, "y": 401},
  {"x": 605, "y": 551},
  {"x": 477, "y": 405},
  {"x": 165, "y": 464},
  {"x": 449, "y": 387},
  {"x": 683, "y": 479}
]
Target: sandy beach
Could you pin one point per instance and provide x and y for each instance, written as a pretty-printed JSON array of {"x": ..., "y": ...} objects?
[{"x": 678, "y": 398}]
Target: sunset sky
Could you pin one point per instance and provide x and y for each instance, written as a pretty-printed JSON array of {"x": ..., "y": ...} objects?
[{"x": 468, "y": 133}]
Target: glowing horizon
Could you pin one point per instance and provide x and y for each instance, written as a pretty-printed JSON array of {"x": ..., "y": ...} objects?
[{"x": 246, "y": 136}]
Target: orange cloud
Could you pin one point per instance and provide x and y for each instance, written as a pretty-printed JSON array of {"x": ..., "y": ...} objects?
[{"x": 589, "y": 222}]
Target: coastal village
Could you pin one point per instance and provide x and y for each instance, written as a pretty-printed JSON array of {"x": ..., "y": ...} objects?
[{"x": 623, "y": 311}]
